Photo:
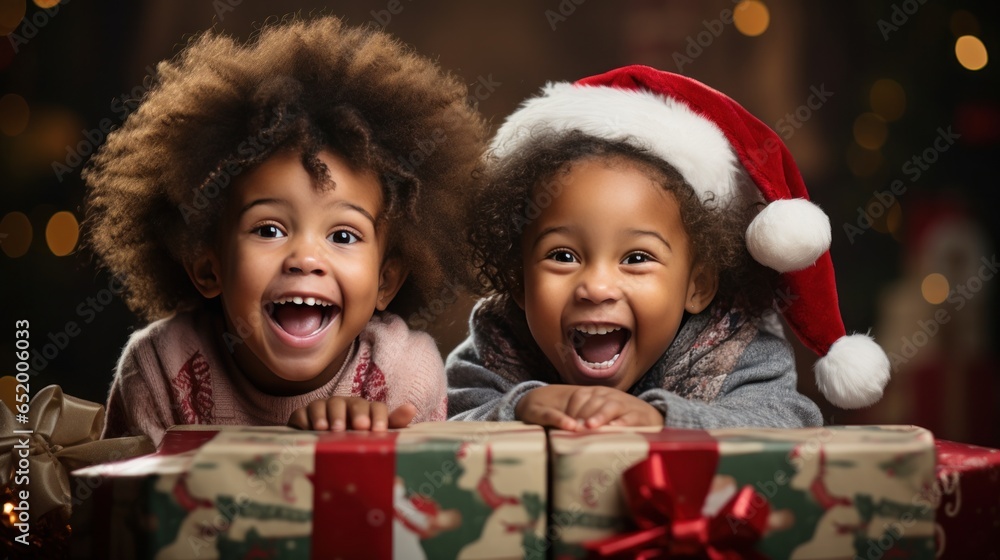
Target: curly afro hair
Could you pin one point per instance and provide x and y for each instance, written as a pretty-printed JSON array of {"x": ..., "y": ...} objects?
[
  {"x": 513, "y": 191},
  {"x": 157, "y": 187}
]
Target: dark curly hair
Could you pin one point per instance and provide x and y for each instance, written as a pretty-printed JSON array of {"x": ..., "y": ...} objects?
[
  {"x": 513, "y": 192},
  {"x": 158, "y": 186}
]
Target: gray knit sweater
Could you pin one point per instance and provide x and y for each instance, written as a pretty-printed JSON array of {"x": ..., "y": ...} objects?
[{"x": 724, "y": 369}]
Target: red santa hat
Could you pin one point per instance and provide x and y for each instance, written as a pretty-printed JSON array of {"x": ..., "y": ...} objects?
[{"x": 724, "y": 152}]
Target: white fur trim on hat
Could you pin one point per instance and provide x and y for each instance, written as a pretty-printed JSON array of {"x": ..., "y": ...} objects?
[
  {"x": 854, "y": 372},
  {"x": 789, "y": 234},
  {"x": 691, "y": 143}
]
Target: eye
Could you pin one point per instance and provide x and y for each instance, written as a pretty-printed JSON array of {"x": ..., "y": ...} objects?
[
  {"x": 342, "y": 236},
  {"x": 562, "y": 256},
  {"x": 269, "y": 231},
  {"x": 638, "y": 258}
]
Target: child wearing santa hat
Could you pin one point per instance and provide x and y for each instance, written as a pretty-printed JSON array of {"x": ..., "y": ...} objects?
[{"x": 632, "y": 235}]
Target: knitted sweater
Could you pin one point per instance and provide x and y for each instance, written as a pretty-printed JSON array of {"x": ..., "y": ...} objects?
[
  {"x": 178, "y": 371},
  {"x": 723, "y": 369}
]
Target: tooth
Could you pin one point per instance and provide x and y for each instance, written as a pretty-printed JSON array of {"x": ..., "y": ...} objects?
[
  {"x": 310, "y": 301},
  {"x": 297, "y": 300},
  {"x": 604, "y": 365}
]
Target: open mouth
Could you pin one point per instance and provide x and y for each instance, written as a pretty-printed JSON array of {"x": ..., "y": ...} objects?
[
  {"x": 599, "y": 346},
  {"x": 301, "y": 317}
]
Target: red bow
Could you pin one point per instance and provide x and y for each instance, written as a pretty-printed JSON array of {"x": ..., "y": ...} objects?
[{"x": 666, "y": 497}]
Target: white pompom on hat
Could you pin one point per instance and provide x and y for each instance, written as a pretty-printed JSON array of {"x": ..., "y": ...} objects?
[{"x": 725, "y": 154}]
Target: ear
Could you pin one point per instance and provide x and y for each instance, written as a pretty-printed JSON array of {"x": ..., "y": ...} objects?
[
  {"x": 517, "y": 294},
  {"x": 390, "y": 280},
  {"x": 204, "y": 273},
  {"x": 702, "y": 288}
]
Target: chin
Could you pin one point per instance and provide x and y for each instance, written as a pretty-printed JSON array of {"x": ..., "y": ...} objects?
[{"x": 296, "y": 374}]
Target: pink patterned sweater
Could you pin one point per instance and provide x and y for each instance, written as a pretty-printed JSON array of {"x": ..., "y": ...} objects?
[{"x": 178, "y": 371}]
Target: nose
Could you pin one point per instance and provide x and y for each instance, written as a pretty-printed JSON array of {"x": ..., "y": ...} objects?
[
  {"x": 599, "y": 284},
  {"x": 305, "y": 257}
]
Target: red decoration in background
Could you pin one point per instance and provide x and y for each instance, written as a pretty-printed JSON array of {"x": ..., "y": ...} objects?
[
  {"x": 6, "y": 54},
  {"x": 978, "y": 123}
]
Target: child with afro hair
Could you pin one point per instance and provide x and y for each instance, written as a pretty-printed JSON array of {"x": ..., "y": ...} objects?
[
  {"x": 630, "y": 259},
  {"x": 274, "y": 207}
]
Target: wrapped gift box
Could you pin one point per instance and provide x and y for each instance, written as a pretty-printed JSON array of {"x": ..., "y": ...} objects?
[
  {"x": 967, "y": 498},
  {"x": 435, "y": 490},
  {"x": 823, "y": 493}
]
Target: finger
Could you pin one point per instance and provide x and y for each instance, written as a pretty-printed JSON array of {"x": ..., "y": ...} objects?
[
  {"x": 635, "y": 418},
  {"x": 577, "y": 400},
  {"x": 594, "y": 405},
  {"x": 317, "y": 415},
  {"x": 402, "y": 416},
  {"x": 607, "y": 412},
  {"x": 336, "y": 410},
  {"x": 358, "y": 411},
  {"x": 380, "y": 416},
  {"x": 299, "y": 419},
  {"x": 553, "y": 417}
]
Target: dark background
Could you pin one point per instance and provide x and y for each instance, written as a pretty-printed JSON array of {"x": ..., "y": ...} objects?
[{"x": 79, "y": 63}]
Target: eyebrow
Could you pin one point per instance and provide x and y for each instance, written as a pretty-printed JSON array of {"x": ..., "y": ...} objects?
[
  {"x": 281, "y": 202},
  {"x": 261, "y": 202},
  {"x": 630, "y": 232},
  {"x": 644, "y": 232},
  {"x": 547, "y": 232},
  {"x": 356, "y": 208}
]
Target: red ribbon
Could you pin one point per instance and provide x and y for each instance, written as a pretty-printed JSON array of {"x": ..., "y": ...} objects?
[
  {"x": 665, "y": 494},
  {"x": 352, "y": 495}
]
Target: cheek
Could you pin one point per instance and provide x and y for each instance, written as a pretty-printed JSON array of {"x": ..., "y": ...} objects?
[{"x": 360, "y": 276}]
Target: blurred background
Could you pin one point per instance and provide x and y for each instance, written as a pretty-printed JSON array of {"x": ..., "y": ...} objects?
[{"x": 892, "y": 110}]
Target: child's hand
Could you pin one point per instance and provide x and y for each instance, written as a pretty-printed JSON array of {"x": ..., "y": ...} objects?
[
  {"x": 571, "y": 407},
  {"x": 350, "y": 413}
]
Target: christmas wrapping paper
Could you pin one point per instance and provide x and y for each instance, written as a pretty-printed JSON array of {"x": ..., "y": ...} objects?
[
  {"x": 435, "y": 490},
  {"x": 823, "y": 493},
  {"x": 967, "y": 497}
]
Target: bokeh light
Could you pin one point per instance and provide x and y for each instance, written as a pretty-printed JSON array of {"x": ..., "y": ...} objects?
[
  {"x": 51, "y": 130},
  {"x": 46, "y": 4},
  {"x": 863, "y": 162},
  {"x": 870, "y": 131},
  {"x": 888, "y": 99},
  {"x": 964, "y": 23},
  {"x": 751, "y": 17},
  {"x": 971, "y": 52},
  {"x": 14, "y": 114},
  {"x": 894, "y": 219},
  {"x": 934, "y": 288},
  {"x": 11, "y": 14},
  {"x": 62, "y": 233},
  {"x": 15, "y": 234},
  {"x": 885, "y": 220}
]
